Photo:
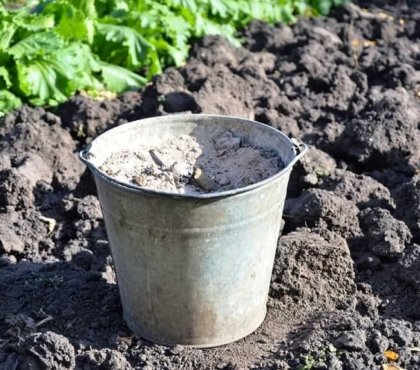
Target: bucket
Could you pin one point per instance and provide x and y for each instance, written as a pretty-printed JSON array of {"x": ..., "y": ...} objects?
[{"x": 192, "y": 270}]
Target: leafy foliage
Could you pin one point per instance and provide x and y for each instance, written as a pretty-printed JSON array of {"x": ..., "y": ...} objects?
[{"x": 49, "y": 50}]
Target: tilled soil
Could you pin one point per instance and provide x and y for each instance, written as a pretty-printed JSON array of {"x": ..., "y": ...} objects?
[{"x": 346, "y": 279}]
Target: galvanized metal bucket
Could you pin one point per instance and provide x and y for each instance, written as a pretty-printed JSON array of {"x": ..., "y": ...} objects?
[{"x": 192, "y": 269}]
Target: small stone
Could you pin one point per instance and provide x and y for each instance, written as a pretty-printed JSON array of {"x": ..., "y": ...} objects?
[
  {"x": 108, "y": 275},
  {"x": 139, "y": 180},
  {"x": 353, "y": 340},
  {"x": 311, "y": 179},
  {"x": 160, "y": 159},
  {"x": 202, "y": 180},
  {"x": 226, "y": 141},
  {"x": 177, "y": 349},
  {"x": 182, "y": 169},
  {"x": 143, "y": 358}
]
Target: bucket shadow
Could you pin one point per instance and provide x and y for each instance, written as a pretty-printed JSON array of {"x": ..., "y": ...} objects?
[{"x": 80, "y": 304}]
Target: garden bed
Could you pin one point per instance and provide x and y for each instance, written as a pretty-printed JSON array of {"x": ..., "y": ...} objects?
[{"x": 346, "y": 281}]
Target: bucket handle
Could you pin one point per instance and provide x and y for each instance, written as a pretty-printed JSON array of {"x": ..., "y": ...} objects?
[
  {"x": 84, "y": 154},
  {"x": 299, "y": 149}
]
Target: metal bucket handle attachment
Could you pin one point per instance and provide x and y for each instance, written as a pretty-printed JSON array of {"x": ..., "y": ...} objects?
[
  {"x": 299, "y": 149},
  {"x": 84, "y": 154}
]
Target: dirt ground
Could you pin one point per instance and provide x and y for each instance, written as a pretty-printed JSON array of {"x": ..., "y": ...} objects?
[{"x": 346, "y": 280}]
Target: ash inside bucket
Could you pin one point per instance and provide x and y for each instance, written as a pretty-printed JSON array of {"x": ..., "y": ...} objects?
[{"x": 186, "y": 165}]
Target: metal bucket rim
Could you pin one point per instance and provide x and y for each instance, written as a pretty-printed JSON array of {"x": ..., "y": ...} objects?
[{"x": 300, "y": 150}]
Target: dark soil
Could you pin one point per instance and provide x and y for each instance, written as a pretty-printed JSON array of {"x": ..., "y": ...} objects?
[{"x": 346, "y": 283}]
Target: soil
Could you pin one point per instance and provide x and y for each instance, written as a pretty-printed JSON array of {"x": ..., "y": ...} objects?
[
  {"x": 193, "y": 165},
  {"x": 345, "y": 285}
]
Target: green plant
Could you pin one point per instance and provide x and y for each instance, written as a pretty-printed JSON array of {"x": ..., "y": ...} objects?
[
  {"x": 50, "y": 49},
  {"x": 309, "y": 361}
]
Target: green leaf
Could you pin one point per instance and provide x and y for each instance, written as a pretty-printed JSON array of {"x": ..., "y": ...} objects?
[
  {"x": 81, "y": 64},
  {"x": 155, "y": 66},
  {"x": 121, "y": 45},
  {"x": 208, "y": 27},
  {"x": 72, "y": 22},
  {"x": 7, "y": 30},
  {"x": 191, "y": 5},
  {"x": 106, "y": 7},
  {"x": 287, "y": 13},
  {"x": 178, "y": 29},
  {"x": 87, "y": 7},
  {"x": 32, "y": 22},
  {"x": 119, "y": 79},
  {"x": 43, "y": 82},
  {"x": 301, "y": 6},
  {"x": 8, "y": 102},
  {"x": 76, "y": 27},
  {"x": 217, "y": 7},
  {"x": 324, "y": 6},
  {"x": 37, "y": 44},
  {"x": 51, "y": 79},
  {"x": 4, "y": 78}
]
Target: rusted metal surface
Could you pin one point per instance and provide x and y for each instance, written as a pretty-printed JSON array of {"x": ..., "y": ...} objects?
[{"x": 192, "y": 269}]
